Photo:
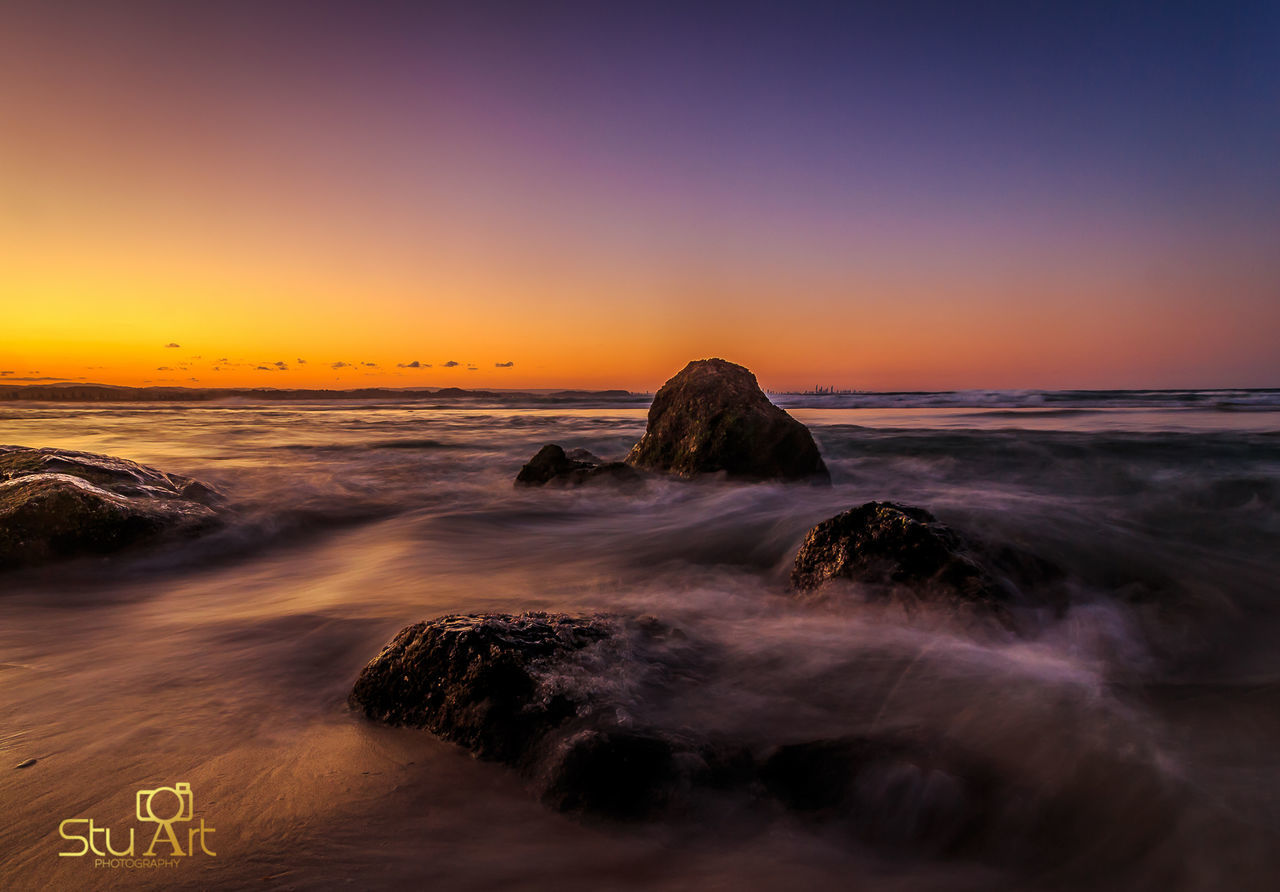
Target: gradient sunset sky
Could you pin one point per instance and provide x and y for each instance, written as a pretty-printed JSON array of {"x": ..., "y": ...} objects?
[{"x": 900, "y": 195}]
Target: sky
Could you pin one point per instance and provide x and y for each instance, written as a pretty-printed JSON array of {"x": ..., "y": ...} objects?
[{"x": 882, "y": 196}]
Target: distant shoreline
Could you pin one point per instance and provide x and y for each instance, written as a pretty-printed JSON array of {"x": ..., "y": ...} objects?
[
  {"x": 109, "y": 393},
  {"x": 1222, "y": 399}
]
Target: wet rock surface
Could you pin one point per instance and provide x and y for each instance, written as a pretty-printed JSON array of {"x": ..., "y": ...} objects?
[
  {"x": 480, "y": 681},
  {"x": 552, "y": 465},
  {"x": 712, "y": 417},
  {"x": 542, "y": 692},
  {"x": 555, "y": 696},
  {"x": 61, "y": 504},
  {"x": 904, "y": 553}
]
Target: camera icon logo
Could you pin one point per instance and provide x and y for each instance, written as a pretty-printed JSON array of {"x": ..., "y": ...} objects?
[{"x": 166, "y": 805}]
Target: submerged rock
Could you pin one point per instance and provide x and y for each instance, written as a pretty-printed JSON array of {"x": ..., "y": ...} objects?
[
  {"x": 58, "y": 504},
  {"x": 553, "y": 465},
  {"x": 905, "y": 553},
  {"x": 894, "y": 791},
  {"x": 713, "y": 417}
]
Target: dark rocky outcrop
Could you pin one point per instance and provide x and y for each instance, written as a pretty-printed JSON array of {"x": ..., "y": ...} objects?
[
  {"x": 562, "y": 699},
  {"x": 537, "y": 691},
  {"x": 57, "y": 504},
  {"x": 578, "y": 466},
  {"x": 478, "y": 680},
  {"x": 905, "y": 553},
  {"x": 631, "y": 718},
  {"x": 712, "y": 418}
]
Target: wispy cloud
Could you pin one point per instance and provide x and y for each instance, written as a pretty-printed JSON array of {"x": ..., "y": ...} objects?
[
  {"x": 339, "y": 365},
  {"x": 172, "y": 346},
  {"x": 281, "y": 365},
  {"x": 503, "y": 365}
]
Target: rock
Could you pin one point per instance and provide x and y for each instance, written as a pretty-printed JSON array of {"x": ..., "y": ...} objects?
[
  {"x": 547, "y": 694},
  {"x": 893, "y": 791},
  {"x": 616, "y": 772},
  {"x": 905, "y": 553},
  {"x": 585, "y": 455},
  {"x": 553, "y": 465},
  {"x": 557, "y": 697},
  {"x": 58, "y": 504},
  {"x": 713, "y": 417},
  {"x": 480, "y": 681},
  {"x": 625, "y": 717}
]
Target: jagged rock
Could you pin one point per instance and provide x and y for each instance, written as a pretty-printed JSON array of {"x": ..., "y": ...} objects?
[
  {"x": 905, "y": 553},
  {"x": 553, "y": 465},
  {"x": 713, "y": 417},
  {"x": 56, "y": 504}
]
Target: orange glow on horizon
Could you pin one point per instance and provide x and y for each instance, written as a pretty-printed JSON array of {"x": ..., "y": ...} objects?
[{"x": 288, "y": 212}]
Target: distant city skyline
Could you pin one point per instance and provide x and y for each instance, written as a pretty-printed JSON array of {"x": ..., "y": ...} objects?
[{"x": 900, "y": 196}]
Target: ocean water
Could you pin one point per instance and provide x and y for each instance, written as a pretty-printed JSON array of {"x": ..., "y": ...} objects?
[{"x": 1138, "y": 732}]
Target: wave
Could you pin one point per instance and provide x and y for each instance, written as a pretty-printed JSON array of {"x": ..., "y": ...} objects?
[{"x": 1262, "y": 399}]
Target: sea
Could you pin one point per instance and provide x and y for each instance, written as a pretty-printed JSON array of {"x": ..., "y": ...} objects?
[{"x": 1138, "y": 730}]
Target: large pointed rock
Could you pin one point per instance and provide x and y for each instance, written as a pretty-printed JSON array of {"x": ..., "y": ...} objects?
[{"x": 712, "y": 418}]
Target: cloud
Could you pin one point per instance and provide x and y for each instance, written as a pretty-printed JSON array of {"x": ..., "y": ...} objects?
[
  {"x": 171, "y": 345},
  {"x": 224, "y": 359},
  {"x": 10, "y": 372},
  {"x": 300, "y": 361},
  {"x": 280, "y": 365},
  {"x": 338, "y": 365},
  {"x": 503, "y": 365},
  {"x": 413, "y": 365},
  {"x": 471, "y": 368},
  {"x": 265, "y": 368},
  {"x": 163, "y": 368},
  {"x": 45, "y": 378},
  {"x": 451, "y": 364},
  {"x": 372, "y": 365}
]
